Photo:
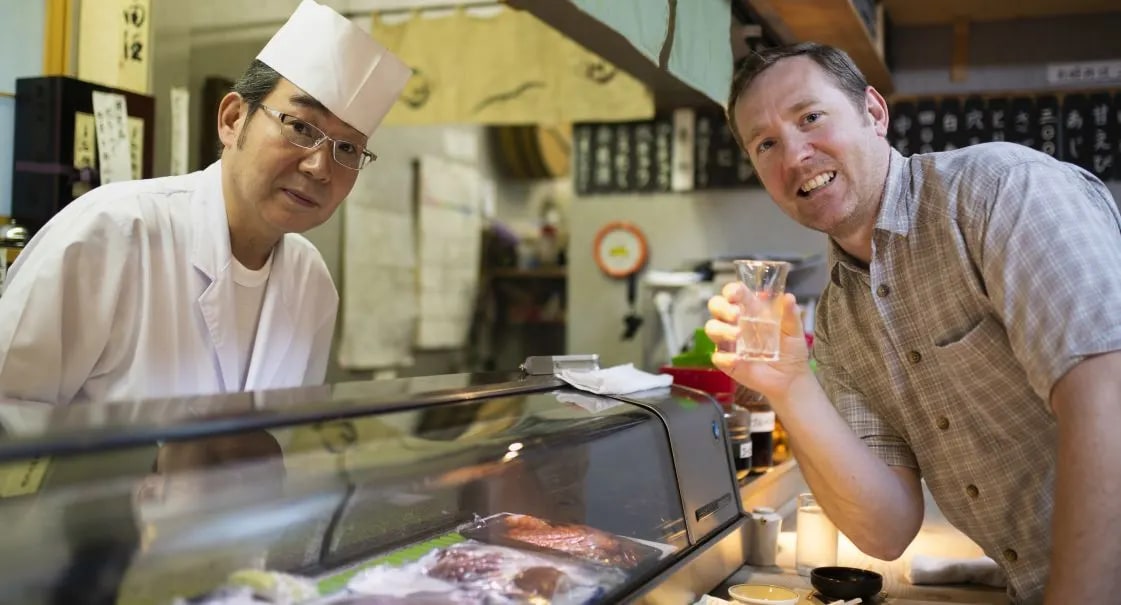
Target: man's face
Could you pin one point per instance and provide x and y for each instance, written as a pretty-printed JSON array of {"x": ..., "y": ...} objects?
[
  {"x": 817, "y": 155},
  {"x": 280, "y": 186}
]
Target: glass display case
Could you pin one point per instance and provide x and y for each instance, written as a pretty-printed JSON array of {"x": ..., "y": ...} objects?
[{"x": 496, "y": 488}]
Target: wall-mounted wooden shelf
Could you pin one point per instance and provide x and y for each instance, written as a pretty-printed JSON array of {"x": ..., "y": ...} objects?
[
  {"x": 943, "y": 12},
  {"x": 832, "y": 22}
]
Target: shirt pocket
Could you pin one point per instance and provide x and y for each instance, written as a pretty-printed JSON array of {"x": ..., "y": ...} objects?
[{"x": 982, "y": 372}]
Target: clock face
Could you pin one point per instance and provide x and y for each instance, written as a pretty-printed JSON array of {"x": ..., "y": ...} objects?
[{"x": 620, "y": 249}]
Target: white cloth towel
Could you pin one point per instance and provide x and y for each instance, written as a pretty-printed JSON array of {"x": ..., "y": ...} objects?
[
  {"x": 616, "y": 380},
  {"x": 940, "y": 570}
]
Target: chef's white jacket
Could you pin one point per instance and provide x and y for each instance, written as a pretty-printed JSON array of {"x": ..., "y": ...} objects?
[{"x": 127, "y": 293}]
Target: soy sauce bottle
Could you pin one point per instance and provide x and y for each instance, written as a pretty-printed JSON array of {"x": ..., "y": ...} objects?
[
  {"x": 738, "y": 420},
  {"x": 762, "y": 428}
]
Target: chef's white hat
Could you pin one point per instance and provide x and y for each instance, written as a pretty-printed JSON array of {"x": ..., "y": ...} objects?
[{"x": 333, "y": 60}]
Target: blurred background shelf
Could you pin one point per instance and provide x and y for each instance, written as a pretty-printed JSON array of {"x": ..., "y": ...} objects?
[{"x": 540, "y": 273}]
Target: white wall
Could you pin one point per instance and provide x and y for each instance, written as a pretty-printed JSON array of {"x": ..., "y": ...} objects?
[
  {"x": 21, "y": 55},
  {"x": 680, "y": 229}
]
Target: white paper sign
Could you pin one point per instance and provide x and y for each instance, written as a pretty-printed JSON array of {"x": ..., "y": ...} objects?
[
  {"x": 1084, "y": 73},
  {"x": 450, "y": 225},
  {"x": 113, "y": 150},
  {"x": 180, "y": 111}
]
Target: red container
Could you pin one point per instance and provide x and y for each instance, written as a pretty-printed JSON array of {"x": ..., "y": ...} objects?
[{"x": 710, "y": 380}]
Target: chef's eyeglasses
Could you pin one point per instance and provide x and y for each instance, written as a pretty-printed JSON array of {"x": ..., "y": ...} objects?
[{"x": 303, "y": 134}]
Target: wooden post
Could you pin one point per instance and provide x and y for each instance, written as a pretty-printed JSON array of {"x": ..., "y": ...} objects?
[{"x": 959, "y": 62}]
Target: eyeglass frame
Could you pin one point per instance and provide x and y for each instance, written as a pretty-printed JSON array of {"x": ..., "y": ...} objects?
[{"x": 370, "y": 156}]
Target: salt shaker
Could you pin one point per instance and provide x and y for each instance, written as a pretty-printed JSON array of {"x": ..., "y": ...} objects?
[{"x": 765, "y": 528}]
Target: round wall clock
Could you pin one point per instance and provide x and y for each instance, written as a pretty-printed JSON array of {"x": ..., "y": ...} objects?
[{"x": 620, "y": 249}]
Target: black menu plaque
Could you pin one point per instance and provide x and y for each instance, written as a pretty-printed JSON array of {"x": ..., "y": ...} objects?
[
  {"x": 903, "y": 128},
  {"x": 1077, "y": 143},
  {"x": 603, "y": 148},
  {"x": 953, "y": 124},
  {"x": 622, "y": 158},
  {"x": 1047, "y": 112},
  {"x": 926, "y": 115},
  {"x": 976, "y": 125},
  {"x": 998, "y": 119},
  {"x": 644, "y": 177},
  {"x": 1023, "y": 123},
  {"x": 663, "y": 154},
  {"x": 706, "y": 124},
  {"x": 1103, "y": 136},
  {"x": 582, "y": 158}
]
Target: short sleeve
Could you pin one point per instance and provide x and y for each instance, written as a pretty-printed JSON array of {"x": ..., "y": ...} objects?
[{"x": 1050, "y": 256}]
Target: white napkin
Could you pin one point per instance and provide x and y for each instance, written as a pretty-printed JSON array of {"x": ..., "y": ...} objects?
[
  {"x": 616, "y": 380},
  {"x": 939, "y": 570},
  {"x": 594, "y": 405}
]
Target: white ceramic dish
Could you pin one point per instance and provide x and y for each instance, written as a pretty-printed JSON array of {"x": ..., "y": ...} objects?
[{"x": 763, "y": 594}]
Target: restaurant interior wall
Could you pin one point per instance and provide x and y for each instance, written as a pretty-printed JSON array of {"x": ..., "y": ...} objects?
[
  {"x": 21, "y": 55},
  {"x": 683, "y": 227}
]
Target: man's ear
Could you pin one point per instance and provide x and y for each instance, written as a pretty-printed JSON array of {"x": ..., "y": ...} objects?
[
  {"x": 877, "y": 110},
  {"x": 231, "y": 119}
]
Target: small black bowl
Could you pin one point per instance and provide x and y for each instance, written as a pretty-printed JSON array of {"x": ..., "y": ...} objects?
[{"x": 846, "y": 582}]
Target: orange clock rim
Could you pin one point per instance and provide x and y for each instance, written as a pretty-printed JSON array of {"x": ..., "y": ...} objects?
[{"x": 642, "y": 248}]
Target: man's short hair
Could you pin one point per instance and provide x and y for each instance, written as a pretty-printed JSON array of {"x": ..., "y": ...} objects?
[
  {"x": 256, "y": 84},
  {"x": 253, "y": 86},
  {"x": 834, "y": 61}
]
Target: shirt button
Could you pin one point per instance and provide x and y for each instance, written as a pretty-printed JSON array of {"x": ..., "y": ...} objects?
[
  {"x": 972, "y": 491},
  {"x": 914, "y": 356},
  {"x": 883, "y": 290},
  {"x": 943, "y": 423},
  {"x": 1010, "y": 555}
]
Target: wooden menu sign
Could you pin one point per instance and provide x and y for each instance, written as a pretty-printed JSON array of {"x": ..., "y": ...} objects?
[
  {"x": 639, "y": 157},
  {"x": 1083, "y": 128}
]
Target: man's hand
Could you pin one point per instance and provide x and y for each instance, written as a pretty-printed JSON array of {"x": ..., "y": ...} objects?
[{"x": 772, "y": 379}]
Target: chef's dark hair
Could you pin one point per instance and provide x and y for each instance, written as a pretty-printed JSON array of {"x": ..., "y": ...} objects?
[
  {"x": 253, "y": 86},
  {"x": 256, "y": 84},
  {"x": 834, "y": 61}
]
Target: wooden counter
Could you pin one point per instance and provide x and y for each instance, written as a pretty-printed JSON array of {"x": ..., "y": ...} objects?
[{"x": 778, "y": 488}]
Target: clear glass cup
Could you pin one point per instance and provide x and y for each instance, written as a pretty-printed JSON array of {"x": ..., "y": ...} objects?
[
  {"x": 760, "y": 321},
  {"x": 816, "y": 542}
]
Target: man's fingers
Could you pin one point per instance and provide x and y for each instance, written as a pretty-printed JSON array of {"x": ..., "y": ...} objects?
[
  {"x": 734, "y": 292},
  {"x": 725, "y": 362},
  {"x": 791, "y": 317},
  {"x": 722, "y": 309},
  {"x": 721, "y": 334}
]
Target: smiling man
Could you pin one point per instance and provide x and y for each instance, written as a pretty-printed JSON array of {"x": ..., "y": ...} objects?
[
  {"x": 201, "y": 283},
  {"x": 967, "y": 334}
]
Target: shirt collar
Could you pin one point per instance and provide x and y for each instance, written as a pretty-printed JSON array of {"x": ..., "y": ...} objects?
[
  {"x": 897, "y": 209},
  {"x": 896, "y": 213}
]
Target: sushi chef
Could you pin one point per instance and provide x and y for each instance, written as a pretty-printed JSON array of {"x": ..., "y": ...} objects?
[{"x": 202, "y": 283}]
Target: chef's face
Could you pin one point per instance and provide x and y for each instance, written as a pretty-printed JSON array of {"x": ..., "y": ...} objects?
[
  {"x": 280, "y": 186},
  {"x": 816, "y": 152}
]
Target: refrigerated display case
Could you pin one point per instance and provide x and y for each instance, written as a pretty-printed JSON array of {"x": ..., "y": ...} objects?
[{"x": 508, "y": 487}]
